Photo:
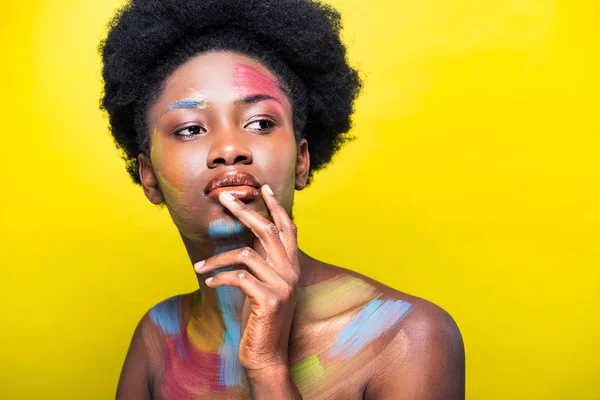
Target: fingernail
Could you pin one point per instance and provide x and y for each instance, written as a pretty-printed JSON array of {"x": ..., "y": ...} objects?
[
  {"x": 199, "y": 264},
  {"x": 268, "y": 190},
  {"x": 208, "y": 280},
  {"x": 227, "y": 197}
]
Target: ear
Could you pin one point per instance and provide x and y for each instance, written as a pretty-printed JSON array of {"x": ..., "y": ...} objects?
[
  {"x": 149, "y": 181},
  {"x": 302, "y": 164}
]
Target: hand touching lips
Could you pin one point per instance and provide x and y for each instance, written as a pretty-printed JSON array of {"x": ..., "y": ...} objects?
[{"x": 268, "y": 278}]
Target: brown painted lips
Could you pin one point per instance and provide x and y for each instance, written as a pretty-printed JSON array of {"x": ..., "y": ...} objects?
[{"x": 241, "y": 185}]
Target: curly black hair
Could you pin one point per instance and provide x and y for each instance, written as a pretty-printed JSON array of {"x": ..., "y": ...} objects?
[{"x": 299, "y": 40}]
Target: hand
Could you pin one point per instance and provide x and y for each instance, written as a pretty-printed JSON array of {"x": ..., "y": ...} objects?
[{"x": 269, "y": 283}]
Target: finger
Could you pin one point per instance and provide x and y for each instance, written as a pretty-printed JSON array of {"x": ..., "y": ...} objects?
[
  {"x": 254, "y": 289},
  {"x": 245, "y": 257},
  {"x": 288, "y": 230},
  {"x": 266, "y": 231}
]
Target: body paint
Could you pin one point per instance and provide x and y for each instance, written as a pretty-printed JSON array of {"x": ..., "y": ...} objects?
[
  {"x": 253, "y": 83},
  {"x": 199, "y": 104},
  {"x": 231, "y": 300},
  {"x": 307, "y": 375},
  {"x": 355, "y": 306},
  {"x": 208, "y": 362},
  {"x": 167, "y": 315},
  {"x": 333, "y": 296},
  {"x": 223, "y": 230},
  {"x": 190, "y": 375},
  {"x": 174, "y": 191},
  {"x": 205, "y": 332},
  {"x": 188, "y": 371},
  {"x": 378, "y": 318},
  {"x": 175, "y": 188}
]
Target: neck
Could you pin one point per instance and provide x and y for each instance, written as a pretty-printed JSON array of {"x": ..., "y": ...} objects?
[{"x": 227, "y": 302}]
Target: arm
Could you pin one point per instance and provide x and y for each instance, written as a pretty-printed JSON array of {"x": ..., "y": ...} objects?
[
  {"x": 134, "y": 382},
  {"x": 425, "y": 360}
]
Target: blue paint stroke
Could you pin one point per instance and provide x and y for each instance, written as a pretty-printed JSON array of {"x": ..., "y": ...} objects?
[
  {"x": 167, "y": 315},
  {"x": 223, "y": 249},
  {"x": 191, "y": 103},
  {"x": 376, "y": 319},
  {"x": 223, "y": 229},
  {"x": 231, "y": 300}
]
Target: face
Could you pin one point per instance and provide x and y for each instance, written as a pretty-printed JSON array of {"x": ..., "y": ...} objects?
[{"x": 221, "y": 115}]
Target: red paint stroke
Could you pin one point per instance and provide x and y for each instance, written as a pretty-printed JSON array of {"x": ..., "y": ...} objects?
[
  {"x": 189, "y": 371},
  {"x": 251, "y": 82}
]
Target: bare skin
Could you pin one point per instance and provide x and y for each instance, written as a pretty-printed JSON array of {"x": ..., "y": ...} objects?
[{"x": 301, "y": 328}]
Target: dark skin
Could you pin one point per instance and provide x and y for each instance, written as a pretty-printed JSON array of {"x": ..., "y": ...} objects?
[{"x": 285, "y": 317}]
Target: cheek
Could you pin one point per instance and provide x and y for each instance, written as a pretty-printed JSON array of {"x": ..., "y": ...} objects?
[
  {"x": 277, "y": 158},
  {"x": 178, "y": 170},
  {"x": 278, "y": 167}
]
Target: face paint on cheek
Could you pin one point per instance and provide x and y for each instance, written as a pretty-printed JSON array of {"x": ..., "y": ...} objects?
[
  {"x": 179, "y": 208},
  {"x": 172, "y": 178}
]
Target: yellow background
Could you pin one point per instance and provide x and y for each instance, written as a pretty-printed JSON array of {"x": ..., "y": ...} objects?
[{"x": 474, "y": 183}]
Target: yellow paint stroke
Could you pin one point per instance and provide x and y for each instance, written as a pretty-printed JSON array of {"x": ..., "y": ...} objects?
[
  {"x": 307, "y": 374},
  {"x": 204, "y": 331},
  {"x": 333, "y": 296}
]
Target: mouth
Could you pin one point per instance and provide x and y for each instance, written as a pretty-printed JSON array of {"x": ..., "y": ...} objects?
[
  {"x": 241, "y": 185},
  {"x": 243, "y": 193}
]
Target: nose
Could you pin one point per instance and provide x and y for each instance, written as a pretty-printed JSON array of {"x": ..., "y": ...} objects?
[{"x": 229, "y": 149}]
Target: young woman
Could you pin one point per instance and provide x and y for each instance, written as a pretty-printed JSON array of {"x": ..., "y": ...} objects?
[{"x": 223, "y": 108}]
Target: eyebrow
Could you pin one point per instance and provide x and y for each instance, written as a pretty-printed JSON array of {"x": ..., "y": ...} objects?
[
  {"x": 192, "y": 103},
  {"x": 255, "y": 98},
  {"x": 189, "y": 103}
]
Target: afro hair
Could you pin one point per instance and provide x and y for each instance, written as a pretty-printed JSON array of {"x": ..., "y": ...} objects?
[{"x": 299, "y": 40}]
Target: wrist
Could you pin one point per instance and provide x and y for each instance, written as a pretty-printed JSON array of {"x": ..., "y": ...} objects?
[
  {"x": 272, "y": 373},
  {"x": 274, "y": 382}
]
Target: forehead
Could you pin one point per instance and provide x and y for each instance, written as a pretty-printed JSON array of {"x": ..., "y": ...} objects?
[{"x": 220, "y": 74}]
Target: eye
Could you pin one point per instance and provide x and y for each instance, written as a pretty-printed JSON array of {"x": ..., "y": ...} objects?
[
  {"x": 263, "y": 125},
  {"x": 188, "y": 132}
]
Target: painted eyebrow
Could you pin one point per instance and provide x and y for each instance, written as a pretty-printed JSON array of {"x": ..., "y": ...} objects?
[
  {"x": 255, "y": 98},
  {"x": 189, "y": 103}
]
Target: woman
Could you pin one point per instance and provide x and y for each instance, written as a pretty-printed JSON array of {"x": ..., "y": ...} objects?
[{"x": 223, "y": 109}]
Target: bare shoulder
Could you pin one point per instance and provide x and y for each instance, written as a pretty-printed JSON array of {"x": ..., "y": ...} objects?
[
  {"x": 424, "y": 319},
  {"x": 135, "y": 377},
  {"x": 146, "y": 349},
  {"x": 423, "y": 354},
  {"x": 424, "y": 360}
]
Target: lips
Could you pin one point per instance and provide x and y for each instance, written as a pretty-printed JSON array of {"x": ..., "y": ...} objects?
[{"x": 241, "y": 185}]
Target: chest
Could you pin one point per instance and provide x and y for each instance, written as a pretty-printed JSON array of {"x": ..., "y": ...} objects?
[
  {"x": 335, "y": 342},
  {"x": 190, "y": 371}
]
